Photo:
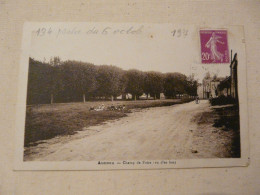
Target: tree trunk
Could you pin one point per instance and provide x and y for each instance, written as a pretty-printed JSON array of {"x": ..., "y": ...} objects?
[
  {"x": 112, "y": 98},
  {"x": 135, "y": 97},
  {"x": 51, "y": 98},
  {"x": 84, "y": 98}
]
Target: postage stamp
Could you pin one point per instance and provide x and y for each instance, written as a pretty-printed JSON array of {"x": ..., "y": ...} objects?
[{"x": 214, "y": 46}]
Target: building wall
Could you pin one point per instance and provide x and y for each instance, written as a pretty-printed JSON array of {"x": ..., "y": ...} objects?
[
  {"x": 200, "y": 91},
  {"x": 233, "y": 66},
  {"x": 213, "y": 88}
]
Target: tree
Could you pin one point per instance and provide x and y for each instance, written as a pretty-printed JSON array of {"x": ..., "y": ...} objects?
[
  {"x": 109, "y": 81},
  {"x": 55, "y": 61},
  {"x": 56, "y": 84},
  {"x": 43, "y": 82},
  {"x": 192, "y": 85},
  {"x": 134, "y": 83},
  {"x": 37, "y": 91},
  {"x": 153, "y": 84},
  {"x": 78, "y": 79},
  {"x": 174, "y": 83}
]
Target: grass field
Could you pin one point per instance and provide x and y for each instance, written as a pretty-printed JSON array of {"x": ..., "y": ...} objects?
[
  {"x": 47, "y": 121},
  {"x": 220, "y": 128}
]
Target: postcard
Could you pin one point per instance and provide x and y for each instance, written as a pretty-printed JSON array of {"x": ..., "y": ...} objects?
[{"x": 100, "y": 96}]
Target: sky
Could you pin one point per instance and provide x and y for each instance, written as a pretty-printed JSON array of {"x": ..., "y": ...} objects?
[{"x": 146, "y": 47}]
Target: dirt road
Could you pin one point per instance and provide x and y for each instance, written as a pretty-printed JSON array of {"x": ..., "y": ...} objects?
[{"x": 154, "y": 133}]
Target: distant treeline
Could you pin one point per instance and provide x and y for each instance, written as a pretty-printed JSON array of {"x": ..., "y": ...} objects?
[{"x": 70, "y": 81}]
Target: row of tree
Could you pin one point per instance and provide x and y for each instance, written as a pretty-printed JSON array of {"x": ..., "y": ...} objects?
[{"x": 58, "y": 81}]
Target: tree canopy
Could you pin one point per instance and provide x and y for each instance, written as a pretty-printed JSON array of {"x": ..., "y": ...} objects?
[{"x": 69, "y": 81}]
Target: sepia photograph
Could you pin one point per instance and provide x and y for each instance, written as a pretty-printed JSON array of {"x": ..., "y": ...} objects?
[{"x": 132, "y": 94}]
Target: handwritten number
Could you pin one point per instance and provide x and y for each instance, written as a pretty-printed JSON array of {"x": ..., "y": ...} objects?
[
  {"x": 38, "y": 32},
  {"x": 173, "y": 33},
  {"x": 43, "y": 31},
  {"x": 179, "y": 33},
  {"x": 185, "y": 32},
  {"x": 49, "y": 31}
]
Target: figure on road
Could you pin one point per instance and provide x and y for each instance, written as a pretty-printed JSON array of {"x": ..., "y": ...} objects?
[{"x": 197, "y": 100}]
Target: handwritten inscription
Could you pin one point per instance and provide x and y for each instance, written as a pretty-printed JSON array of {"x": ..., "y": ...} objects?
[
  {"x": 43, "y": 31},
  {"x": 179, "y": 33},
  {"x": 108, "y": 30}
]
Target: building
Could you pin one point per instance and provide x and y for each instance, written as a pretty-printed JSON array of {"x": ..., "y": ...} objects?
[
  {"x": 209, "y": 87},
  {"x": 216, "y": 86},
  {"x": 200, "y": 91},
  {"x": 229, "y": 86},
  {"x": 125, "y": 96},
  {"x": 234, "y": 80},
  {"x": 224, "y": 86}
]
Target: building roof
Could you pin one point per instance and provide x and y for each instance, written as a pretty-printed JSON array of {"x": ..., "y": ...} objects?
[{"x": 225, "y": 83}]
